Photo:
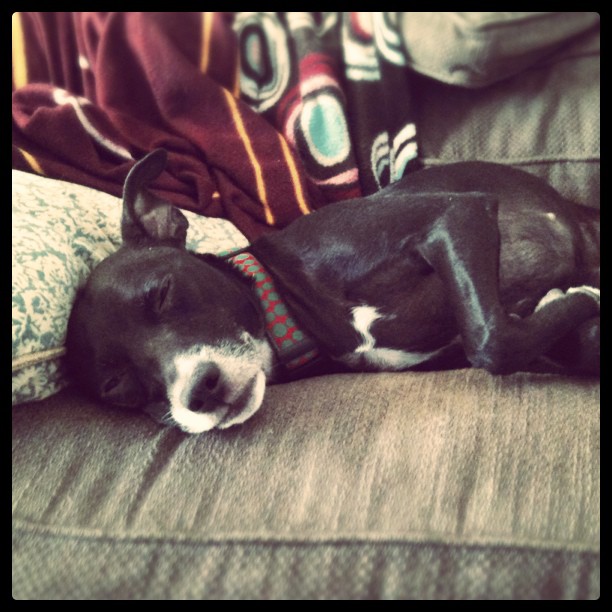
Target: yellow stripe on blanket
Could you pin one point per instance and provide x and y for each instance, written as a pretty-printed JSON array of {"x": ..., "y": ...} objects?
[
  {"x": 20, "y": 67},
  {"x": 207, "y": 22},
  {"x": 295, "y": 177},
  {"x": 32, "y": 161},
  {"x": 261, "y": 187},
  {"x": 236, "y": 89}
]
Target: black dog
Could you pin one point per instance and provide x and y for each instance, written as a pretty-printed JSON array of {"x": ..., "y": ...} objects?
[{"x": 471, "y": 259}]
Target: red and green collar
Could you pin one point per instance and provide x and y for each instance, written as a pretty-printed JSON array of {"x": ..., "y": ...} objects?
[{"x": 294, "y": 347}]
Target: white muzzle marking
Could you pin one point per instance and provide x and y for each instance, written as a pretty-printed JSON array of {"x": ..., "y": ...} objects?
[{"x": 244, "y": 366}]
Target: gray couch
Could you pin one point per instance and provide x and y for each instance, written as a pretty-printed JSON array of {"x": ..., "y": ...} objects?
[{"x": 429, "y": 485}]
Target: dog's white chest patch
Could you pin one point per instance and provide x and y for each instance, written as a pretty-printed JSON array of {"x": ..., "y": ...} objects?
[
  {"x": 380, "y": 358},
  {"x": 363, "y": 317}
]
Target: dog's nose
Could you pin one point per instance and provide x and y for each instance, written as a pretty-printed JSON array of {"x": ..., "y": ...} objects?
[{"x": 208, "y": 388}]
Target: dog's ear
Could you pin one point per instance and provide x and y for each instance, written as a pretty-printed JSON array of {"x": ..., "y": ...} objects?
[{"x": 147, "y": 218}]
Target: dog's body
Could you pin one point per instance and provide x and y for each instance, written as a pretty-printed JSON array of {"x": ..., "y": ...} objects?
[{"x": 474, "y": 261}]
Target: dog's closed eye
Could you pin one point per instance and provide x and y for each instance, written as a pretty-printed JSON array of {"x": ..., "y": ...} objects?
[
  {"x": 121, "y": 388},
  {"x": 159, "y": 299},
  {"x": 110, "y": 384}
]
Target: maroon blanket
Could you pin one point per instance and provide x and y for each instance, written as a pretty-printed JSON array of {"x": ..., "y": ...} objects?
[{"x": 266, "y": 116}]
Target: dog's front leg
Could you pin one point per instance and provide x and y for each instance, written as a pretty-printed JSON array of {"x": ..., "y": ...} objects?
[{"x": 463, "y": 247}]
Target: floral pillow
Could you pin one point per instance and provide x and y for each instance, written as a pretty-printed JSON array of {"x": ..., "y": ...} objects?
[{"x": 61, "y": 231}]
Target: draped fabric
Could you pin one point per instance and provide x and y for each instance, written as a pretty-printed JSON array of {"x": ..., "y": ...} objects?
[{"x": 266, "y": 116}]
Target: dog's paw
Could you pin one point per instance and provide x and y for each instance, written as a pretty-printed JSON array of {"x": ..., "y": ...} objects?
[
  {"x": 555, "y": 294},
  {"x": 551, "y": 296},
  {"x": 590, "y": 291}
]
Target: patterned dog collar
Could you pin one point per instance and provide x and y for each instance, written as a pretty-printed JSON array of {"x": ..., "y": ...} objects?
[{"x": 293, "y": 346}]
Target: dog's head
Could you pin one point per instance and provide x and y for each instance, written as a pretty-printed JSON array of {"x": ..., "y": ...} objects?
[{"x": 161, "y": 329}]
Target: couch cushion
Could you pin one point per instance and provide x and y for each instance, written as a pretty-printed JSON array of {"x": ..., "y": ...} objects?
[
  {"x": 545, "y": 120},
  {"x": 479, "y": 48},
  {"x": 438, "y": 485}
]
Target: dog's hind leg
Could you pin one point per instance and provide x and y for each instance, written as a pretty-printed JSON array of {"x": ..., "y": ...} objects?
[
  {"x": 578, "y": 352},
  {"x": 463, "y": 247}
]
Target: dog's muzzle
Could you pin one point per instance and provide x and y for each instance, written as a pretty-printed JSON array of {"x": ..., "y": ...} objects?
[{"x": 217, "y": 387}]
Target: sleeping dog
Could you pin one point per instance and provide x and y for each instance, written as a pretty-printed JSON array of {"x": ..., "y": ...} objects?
[{"x": 466, "y": 264}]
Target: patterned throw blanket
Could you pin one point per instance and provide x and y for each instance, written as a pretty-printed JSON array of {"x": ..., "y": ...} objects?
[{"x": 266, "y": 116}]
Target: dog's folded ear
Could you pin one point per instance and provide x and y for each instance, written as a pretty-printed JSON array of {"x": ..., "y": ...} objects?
[{"x": 146, "y": 217}]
